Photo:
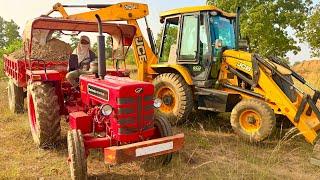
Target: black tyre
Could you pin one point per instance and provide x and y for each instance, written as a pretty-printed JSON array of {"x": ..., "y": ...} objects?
[
  {"x": 44, "y": 115},
  {"x": 15, "y": 97},
  {"x": 163, "y": 129},
  {"x": 176, "y": 96},
  {"x": 253, "y": 120},
  {"x": 77, "y": 158}
]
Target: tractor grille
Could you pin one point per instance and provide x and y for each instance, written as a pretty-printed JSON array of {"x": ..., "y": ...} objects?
[{"x": 135, "y": 114}]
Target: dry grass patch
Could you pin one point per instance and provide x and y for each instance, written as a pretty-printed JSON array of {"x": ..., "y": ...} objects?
[{"x": 212, "y": 151}]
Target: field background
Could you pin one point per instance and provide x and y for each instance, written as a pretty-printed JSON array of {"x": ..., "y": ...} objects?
[{"x": 211, "y": 151}]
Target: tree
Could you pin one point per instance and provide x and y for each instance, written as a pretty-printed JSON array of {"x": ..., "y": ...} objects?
[
  {"x": 265, "y": 24},
  {"x": 56, "y": 35},
  {"x": 8, "y": 32},
  {"x": 312, "y": 31},
  {"x": 108, "y": 47},
  {"x": 74, "y": 41},
  {"x": 170, "y": 39}
]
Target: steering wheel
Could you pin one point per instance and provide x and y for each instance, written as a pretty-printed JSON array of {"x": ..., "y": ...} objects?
[{"x": 84, "y": 62}]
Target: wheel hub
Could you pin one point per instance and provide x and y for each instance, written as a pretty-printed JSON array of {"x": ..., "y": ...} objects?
[
  {"x": 250, "y": 121},
  {"x": 167, "y": 100}
]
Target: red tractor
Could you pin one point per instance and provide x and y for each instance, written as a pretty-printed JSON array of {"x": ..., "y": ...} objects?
[{"x": 109, "y": 110}]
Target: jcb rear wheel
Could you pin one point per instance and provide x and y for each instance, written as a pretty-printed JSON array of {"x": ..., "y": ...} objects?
[
  {"x": 253, "y": 120},
  {"x": 15, "y": 97},
  {"x": 77, "y": 159},
  {"x": 43, "y": 111},
  {"x": 176, "y": 96}
]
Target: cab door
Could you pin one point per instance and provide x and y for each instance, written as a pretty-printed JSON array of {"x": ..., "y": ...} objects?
[{"x": 195, "y": 48}]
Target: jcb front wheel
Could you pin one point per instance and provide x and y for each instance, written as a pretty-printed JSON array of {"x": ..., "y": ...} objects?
[
  {"x": 253, "y": 120},
  {"x": 163, "y": 129},
  {"x": 176, "y": 96}
]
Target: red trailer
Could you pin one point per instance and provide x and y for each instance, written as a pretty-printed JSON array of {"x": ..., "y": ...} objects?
[{"x": 107, "y": 111}]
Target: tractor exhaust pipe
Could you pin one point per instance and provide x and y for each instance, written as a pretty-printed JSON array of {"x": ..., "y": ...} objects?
[{"x": 101, "y": 50}]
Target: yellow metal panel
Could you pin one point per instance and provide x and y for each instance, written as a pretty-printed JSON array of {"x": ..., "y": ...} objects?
[
  {"x": 196, "y": 9},
  {"x": 239, "y": 60},
  {"x": 118, "y": 12},
  {"x": 242, "y": 55},
  {"x": 274, "y": 96},
  {"x": 307, "y": 124},
  {"x": 181, "y": 69}
]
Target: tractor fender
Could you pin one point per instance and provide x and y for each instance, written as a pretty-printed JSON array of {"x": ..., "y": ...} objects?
[{"x": 174, "y": 68}]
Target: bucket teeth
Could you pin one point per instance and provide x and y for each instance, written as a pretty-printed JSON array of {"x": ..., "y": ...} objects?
[{"x": 315, "y": 159}]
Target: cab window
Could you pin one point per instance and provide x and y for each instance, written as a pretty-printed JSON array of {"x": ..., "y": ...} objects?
[
  {"x": 169, "y": 39},
  {"x": 189, "y": 37},
  {"x": 222, "y": 28}
]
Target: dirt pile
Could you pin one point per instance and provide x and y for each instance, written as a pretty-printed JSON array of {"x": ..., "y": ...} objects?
[
  {"x": 54, "y": 50},
  {"x": 310, "y": 70}
]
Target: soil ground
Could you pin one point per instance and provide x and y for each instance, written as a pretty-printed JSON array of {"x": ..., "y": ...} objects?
[{"x": 211, "y": 151}]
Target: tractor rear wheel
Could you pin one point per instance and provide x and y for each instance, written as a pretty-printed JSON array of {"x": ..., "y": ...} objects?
[
  {"x": 176, "y": 96},
  {"x": 77, "y": 158},
  {"x": 15, "y": 97},
  {"x": 253, "y": 120},
  {"x": 44, "y": 115},
  {"x": 163, "y": 129}
]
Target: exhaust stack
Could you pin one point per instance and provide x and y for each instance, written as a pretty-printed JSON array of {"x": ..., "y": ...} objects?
[
  {"x": 101, "y": 50},
  {"x": 237, "y": 33}
]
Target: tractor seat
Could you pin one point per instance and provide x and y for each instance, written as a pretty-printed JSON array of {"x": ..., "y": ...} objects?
[{"x": 73, "y": 63}]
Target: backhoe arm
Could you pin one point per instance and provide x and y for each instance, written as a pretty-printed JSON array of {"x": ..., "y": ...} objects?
[{"x": 126, "y": 11}]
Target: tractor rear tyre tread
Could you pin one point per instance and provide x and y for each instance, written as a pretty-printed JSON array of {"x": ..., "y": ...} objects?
[
  {"x": 268, "y": 120},
  {"x": 15, "y": 98},
  {"x": 46, "y": 129},
  {"x": 183, "y": 92}
]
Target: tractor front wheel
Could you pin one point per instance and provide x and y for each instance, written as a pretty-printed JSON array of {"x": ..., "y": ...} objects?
[
  {"x": 77, "y": 158},
  {"x": 253, "y": 120},
  {"x": 44, "y": 115},
  {"x": 163, "y": 129},
  {"x": 176, "y": 96},
  {"x": 15, "y": 97}
]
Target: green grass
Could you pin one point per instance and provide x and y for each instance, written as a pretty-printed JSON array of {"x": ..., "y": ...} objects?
[{"x": 211, "y": 151}]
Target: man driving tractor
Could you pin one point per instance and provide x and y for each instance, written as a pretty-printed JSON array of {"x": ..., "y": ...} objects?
[{"x": 81, "y": 62}]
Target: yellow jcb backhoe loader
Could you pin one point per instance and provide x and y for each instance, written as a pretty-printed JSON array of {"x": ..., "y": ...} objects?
[{"x": 199, "y": 64}]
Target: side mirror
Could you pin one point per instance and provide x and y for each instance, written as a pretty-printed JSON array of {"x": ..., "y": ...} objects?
[
  {"x": 218, "y": 44},
  {"x": 243, "y": 45}
]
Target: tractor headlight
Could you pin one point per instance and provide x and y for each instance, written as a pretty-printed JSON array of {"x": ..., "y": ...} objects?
[
  {"x": 157, "y": 103},
  {"x": 106, "y": 110}
]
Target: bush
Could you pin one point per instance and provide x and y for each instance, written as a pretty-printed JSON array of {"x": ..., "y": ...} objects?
[{"x": 17, "y": 44}]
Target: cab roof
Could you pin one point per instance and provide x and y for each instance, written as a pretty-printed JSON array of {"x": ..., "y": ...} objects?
[{"x": 195, "y": 9}]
